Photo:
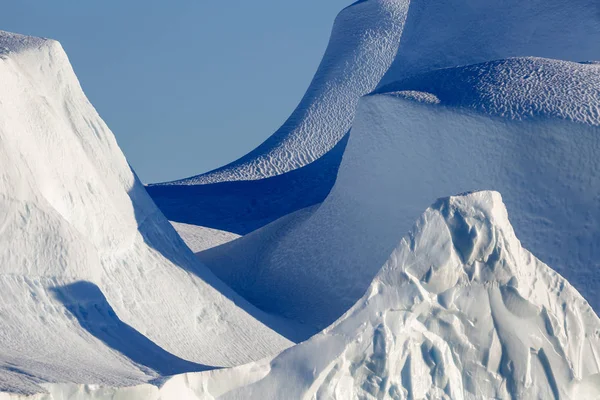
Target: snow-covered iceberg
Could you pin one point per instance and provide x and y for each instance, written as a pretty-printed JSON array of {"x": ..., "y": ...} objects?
[
  {"x": 527, "y": 127},
  {"x": 374, "y": 43},
  {"x": 95, "y": 285},
  {"x": 459, "y": 311},
  {"x": 296, "y": 166}
]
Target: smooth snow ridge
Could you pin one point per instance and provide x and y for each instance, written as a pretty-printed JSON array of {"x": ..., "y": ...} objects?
[
  {"x": 363, "y": 44},
  {"x": 537, "y": 143},
  {"x": 95, "y": 285},
  {"x": 459, "y": 311}
]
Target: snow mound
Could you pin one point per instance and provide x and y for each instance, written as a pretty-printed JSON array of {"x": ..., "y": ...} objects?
[
  {"x": 375, "y": 43},
  {"x": 95, "y": 285},
  {"x": 363, "y": 44},
  {"x": 537, "y": 143},
  {"x": 459, "y": 311}
]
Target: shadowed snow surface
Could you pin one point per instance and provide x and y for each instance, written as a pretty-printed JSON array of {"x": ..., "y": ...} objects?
[
  {"x": 459, "y": 311},
  {"x": 95, "y": 286},
  {"x": 529, "y": 128}
]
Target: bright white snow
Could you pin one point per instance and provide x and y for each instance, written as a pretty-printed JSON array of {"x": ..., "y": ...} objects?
[
  {"x": 95, "y": 286},
  {"x": 459, "y": 311},
  {"x": 363, "y": 44},
  {"x": 529, "y": 128},
  {"x": 101, "y": 299}
]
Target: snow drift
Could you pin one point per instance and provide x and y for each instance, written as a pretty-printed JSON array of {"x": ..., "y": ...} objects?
[
  {"x": 459, "y": 311},
  {"x": 527, "y": 127},
  {"x": 95, "y": 285}
]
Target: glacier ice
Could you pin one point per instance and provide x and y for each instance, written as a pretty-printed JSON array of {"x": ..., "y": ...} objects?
[{"x": 101, "y": 299}]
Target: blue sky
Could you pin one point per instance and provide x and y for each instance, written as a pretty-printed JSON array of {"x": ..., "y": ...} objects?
[{"x": 185, "y": 85}]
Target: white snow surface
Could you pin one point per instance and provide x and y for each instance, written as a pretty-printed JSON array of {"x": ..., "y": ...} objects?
[
  {"x": 363, "y": 44},
  {"x": 450, "y": 33},
  {"x": 95, "y": 285},
  {"x": 200, "y": 238},
  {"x": 459, "y": 311},
  {"x": 527, "y": 127}
]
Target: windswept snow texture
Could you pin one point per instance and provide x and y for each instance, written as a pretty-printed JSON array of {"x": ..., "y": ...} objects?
[
  {"x": 363, "y": 44},
  {"x": 529, "y": 128},
  {"x": 95, "y": 285},
  {"x": 373, "y": 44},
  {"x": 449, "y": 33},
  {"x": 459, "y": 311}
]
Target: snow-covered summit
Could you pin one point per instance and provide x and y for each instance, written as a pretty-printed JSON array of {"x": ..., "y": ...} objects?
[
  {"x": 450, "y": 33},
  {"x": 459, "y": 311},
  {"x": 95, "y": 285}
]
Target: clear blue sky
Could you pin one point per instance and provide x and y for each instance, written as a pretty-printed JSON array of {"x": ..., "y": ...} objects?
[{"x": 185, "y": 85}]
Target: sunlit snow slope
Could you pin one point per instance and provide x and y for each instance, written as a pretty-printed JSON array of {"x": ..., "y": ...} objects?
[
  {"x": 296, "y": 167},
  {"x": 362, "y": 46},
  {"x": 449, "y": 33},
  {"x": 527, "y": 127},
  {"x": 459, "y": 311},
  {"x": 95, "y": 285},
  {"x": 419, "y": 36}
]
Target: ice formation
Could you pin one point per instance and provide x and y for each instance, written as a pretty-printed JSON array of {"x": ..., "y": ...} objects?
[
  {"x": 527, "y": 127},
  {"x": 95, "y": 285},
  {"x": 459, "y": 311},
  {"x": 414, "y": 100},
  {"x": 363, "y": 44},
  {"x": 374, "y": 43}
]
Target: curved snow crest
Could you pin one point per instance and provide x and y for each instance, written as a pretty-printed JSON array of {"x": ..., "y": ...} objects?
[
  {"x": 516, "y": 88},
  {"x": 93, "y": 278},
  {"x": 458, "y": 293},
  {"x": 363, "y": 44}
]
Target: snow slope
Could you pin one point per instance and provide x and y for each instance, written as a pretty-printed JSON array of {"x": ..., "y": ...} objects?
[
  {"x": 459, "y": 311},
  {"x": 95, "y": 285},
  {"x": 243, "y": 206},
  {"x": 375, "y": 42},
  {"x": 527, "y": 127},
  {"x": 363, "y": 43},
  {"x": 199, "y": 238},
  {"x": 296, "y": 167}
]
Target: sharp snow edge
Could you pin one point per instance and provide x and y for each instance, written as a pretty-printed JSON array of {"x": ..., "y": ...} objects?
[
  {"x": 459, "y": 311},
  {"x": 363, "y": 43},
  {"x": 95, "y": 285}
]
